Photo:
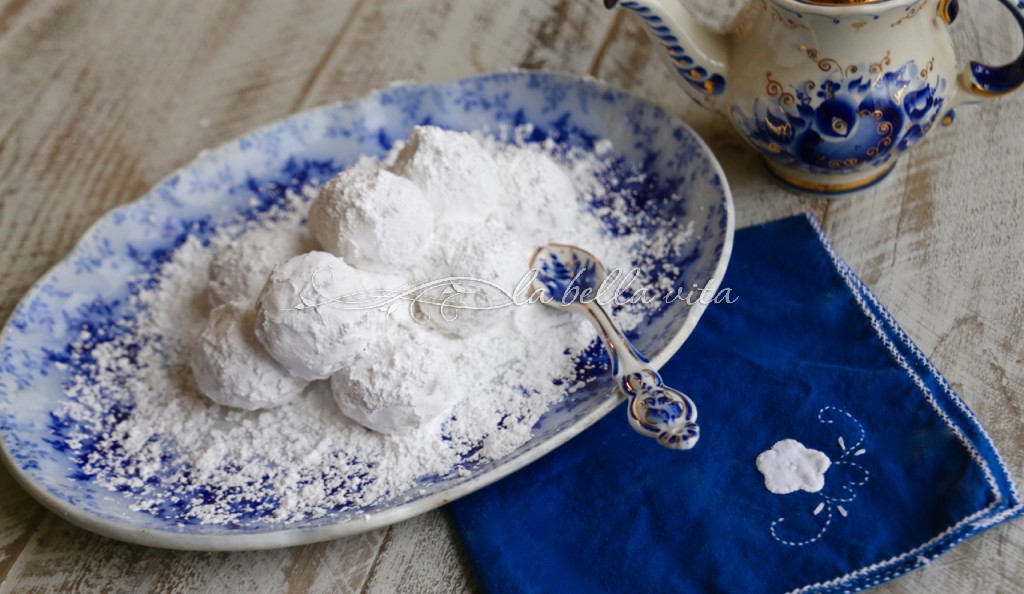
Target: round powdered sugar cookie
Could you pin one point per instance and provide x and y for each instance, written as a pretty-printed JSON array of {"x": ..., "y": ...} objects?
[
  {"x": 239, "y": 270},
  {"x": 454, "y": 171},
  {"x": 485, "y": 263},
  {"x": 310, "y": 315},
  {"x": 373, "y": 219},
  {"x": 232, "y": 368},
  {"x": 404, "y": 379},
  {"x": 535, "y": 183}
]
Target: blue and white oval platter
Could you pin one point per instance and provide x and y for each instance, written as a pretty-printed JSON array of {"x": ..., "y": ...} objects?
[{"x": 89, "y": 289}]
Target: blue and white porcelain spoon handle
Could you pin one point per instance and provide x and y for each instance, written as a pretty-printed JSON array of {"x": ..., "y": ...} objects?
[{"x": 654, "y": 410}]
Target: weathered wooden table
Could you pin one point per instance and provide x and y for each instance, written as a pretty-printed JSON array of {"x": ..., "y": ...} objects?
[{"x": 100, "y": 99}]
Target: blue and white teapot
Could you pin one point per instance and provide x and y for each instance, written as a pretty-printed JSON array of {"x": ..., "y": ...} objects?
[{"x": 830, "y": 92}]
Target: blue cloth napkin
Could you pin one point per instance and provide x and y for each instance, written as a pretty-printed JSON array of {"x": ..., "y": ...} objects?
[{"x": 805, "y": 380}]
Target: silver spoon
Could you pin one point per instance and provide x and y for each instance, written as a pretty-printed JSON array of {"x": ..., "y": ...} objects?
[{"x": 564, "y": 274}]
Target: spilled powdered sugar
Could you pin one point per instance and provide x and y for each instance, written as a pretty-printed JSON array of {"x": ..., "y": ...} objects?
[{"x": 137, "y": 424}]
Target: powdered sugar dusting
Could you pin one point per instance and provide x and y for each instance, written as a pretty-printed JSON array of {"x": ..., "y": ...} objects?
[{"x": 138, "y": 424}]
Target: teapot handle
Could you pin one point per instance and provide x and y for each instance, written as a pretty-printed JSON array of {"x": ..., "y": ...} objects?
[{"x": 982, "y": 80}]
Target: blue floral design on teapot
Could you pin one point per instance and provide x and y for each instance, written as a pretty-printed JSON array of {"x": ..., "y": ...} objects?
[
  {"x": 830, "y": 92},
  {"x": 845, "y": 123}
]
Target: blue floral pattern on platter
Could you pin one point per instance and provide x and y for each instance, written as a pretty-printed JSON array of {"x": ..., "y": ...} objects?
[
  {"x": 853, "y": 118},
  {"x": 126, "y": 249}
]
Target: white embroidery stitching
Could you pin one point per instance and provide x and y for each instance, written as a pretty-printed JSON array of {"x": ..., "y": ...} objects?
[{"x": 828, "y": 502}]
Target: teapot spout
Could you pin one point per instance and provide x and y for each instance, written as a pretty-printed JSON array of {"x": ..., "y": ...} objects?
[{"x": 698, "y": 55}]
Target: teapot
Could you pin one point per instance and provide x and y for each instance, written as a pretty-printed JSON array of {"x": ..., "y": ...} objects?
[{"x": 830, "y": 92}]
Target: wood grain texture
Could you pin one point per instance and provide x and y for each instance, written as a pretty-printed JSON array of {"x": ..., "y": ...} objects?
[
  {"x": 421, "y": 555},
  {"x": 63, "y": 558},
  {"x": 394, "y": 40},
  {"x": 101, "y": 98},
  {"x": 20, "y": 515}
]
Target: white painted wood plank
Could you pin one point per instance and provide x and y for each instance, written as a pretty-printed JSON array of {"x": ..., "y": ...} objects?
[
  {"x": 19, "y": 516},
  {"x": 421, "y": 555},
  {"x": 394, "y": 40},
  {"x": 62, "y": 557}
]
